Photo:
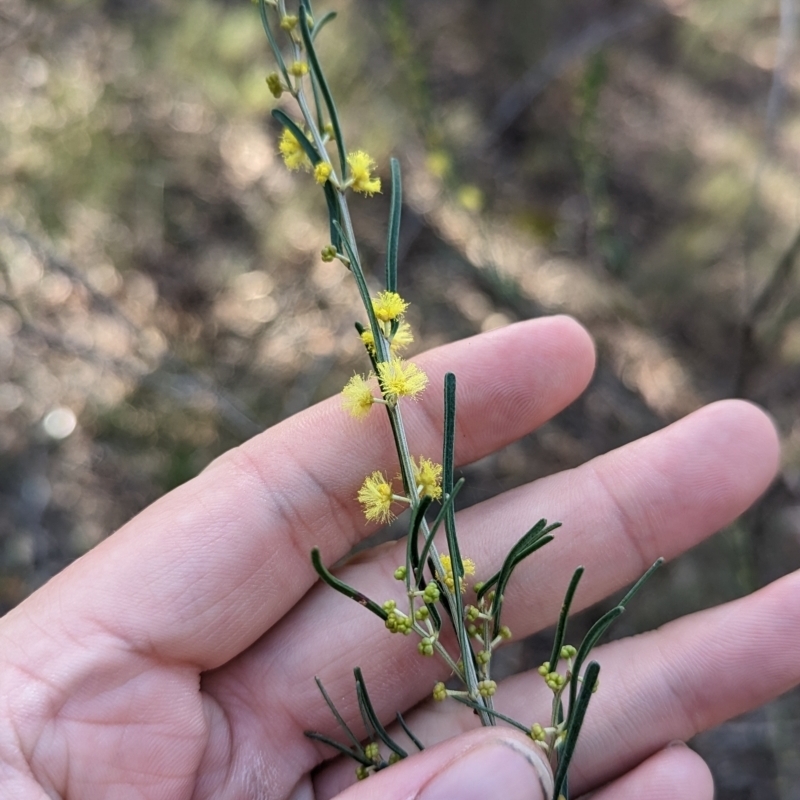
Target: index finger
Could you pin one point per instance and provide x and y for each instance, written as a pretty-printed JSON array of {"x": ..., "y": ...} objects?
[{"x": 203, "y": 572}]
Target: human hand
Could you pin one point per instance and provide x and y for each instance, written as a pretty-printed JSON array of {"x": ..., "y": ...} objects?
[{"x": 176, "y": 659}]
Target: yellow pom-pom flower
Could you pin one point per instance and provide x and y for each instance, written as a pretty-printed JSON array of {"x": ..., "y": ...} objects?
[
  {"x": 448, "y": 578},
  {"x": 361, "y": 166},
  {"x": 402, "y": 338},
  {"x": 401, "y": 378},
  {"x": 428, "y": 477},
  {"x": 292, "y": 151},
  {"x": 389, "y": 306},
  {"x": 376, "y": 496},
  {"x": 369, "y": 340},
  {"x": 299, "y": 68},
  {"x": 357, "y": 398},
  {"x": 322, "y": 172}
]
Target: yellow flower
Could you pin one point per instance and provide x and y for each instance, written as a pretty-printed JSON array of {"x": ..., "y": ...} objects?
[
  {"x": 448, "y": 579},
  {"x": 369, "y": 340},
  {"x": 401, "y": 378},
  {"x": 322, "y": 172},
  {"x": 299, "y": 68},
  {"x": 428, "y": 476},
  {"x": 357, "y": 397},
  {"x": 376, "y": 496},
  {"x": 400, "y": 340},
  {"x": 292, "y": 151},
  {"x": 361, "y": 164},
  {"x": 389, "y": 306}
]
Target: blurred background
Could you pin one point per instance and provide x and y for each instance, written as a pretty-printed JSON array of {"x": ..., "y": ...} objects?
[{"x": 162, "y": 299}]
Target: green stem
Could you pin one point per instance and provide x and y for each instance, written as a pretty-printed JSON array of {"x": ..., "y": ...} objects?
[{"x": 395, "y": 417}]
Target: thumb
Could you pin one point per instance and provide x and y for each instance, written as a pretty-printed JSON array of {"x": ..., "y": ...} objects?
[{"x": 489, "y": 762}]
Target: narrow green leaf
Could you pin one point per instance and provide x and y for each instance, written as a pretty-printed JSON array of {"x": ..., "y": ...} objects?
[
  {"x": 317, "y": 104},
  {"x": 350, "y": 735},
  {"x": 333, "y": 215},
  {"x": 538, "y": 536},
  {"x": 319, "y": 737},
  {"x": 373, "y": 717},
  {"x": 393, "y": 239},
  {"x": 448, "y": 462},
  {"x": 502, "y": 582},
  {"x": 322, "y": 22},
  {"x": 413, "y": 558},
  {"x": 449, "y": 500},
  {"x": 343, "y": 588},
  {"x": 477, "y": 707},
  {"x": 365, "y": 718},
  {"x": 316, "y": 68},
  {"x": 363, "y": 289},
  {"x": 561, "y": 628},
  {"x": 603, "y": 624},
  {"x": 641, "y": 582},
  {"x": 276, "y": 51},
  {"x": 417, "y": 743},
  {"x": 457, "y": 565},
  {"x": 539, "y": 530},
  {"x": 576, "y": 718}
]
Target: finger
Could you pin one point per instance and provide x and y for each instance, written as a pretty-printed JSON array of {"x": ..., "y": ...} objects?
[
  {"x": 673, "y": 772},
  {"x": 479, "y": 765},
  {"x": 669, "y": 491},
  {"x": 203, "y": 572}
]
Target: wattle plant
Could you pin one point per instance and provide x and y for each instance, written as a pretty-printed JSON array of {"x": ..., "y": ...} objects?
[{"x": 438, "y": 588}]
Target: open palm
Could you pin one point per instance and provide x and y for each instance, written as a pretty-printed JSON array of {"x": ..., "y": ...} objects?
[{"x": 176, "y": 660}]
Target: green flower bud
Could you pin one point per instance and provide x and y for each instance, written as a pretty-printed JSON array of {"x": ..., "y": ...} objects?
[
  {"x": 400, "y": 574},
  {"x": 425, "y": 646},
  {"x": 537, "y": 733},
  {"x": 274, "y": 84},
  {"x": 372, "y": 752},
  {"x": 431, "y": 593}
]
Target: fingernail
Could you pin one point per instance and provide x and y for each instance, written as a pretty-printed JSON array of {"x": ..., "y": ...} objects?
[
  {"x": 677, "y": 743},
  {"x": 502, "y": 768}
]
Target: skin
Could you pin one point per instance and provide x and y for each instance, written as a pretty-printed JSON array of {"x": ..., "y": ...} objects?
[{"x": 176, "y": 659}]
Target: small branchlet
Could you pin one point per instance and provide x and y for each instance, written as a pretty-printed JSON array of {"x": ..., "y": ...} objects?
[{"x": 438, "y": 586}]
